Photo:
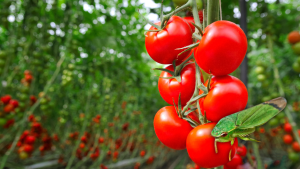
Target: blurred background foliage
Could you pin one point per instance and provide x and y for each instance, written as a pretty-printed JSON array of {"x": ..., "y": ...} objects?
[{"x": 88, "y": 58}]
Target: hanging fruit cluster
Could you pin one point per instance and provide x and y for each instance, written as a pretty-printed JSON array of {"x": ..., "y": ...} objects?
[
  {"x": 218, "y": 50},
  {"x": 294, "y": 40}
]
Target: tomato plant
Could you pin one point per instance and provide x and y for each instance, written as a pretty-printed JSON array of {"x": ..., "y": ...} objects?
[
  {"x": 201, "y": 149},
  {"x": 162, "y": 45},
  {"x": 214, "y": 54},
  {"x": 227, "y": 95}
]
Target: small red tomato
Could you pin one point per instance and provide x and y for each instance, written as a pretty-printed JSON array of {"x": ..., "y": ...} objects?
[
  {"x": 170, "y": 89},
  {"x": 234, "y": 163},
  {"x": 242, "y": 151},
  {"x": 287, "y": 127},
  {"x": 296, "y": 146},
  {"x": 200, "y": 146},
  {"x": 125, "y": 126},
  {"x": 83, "y": 139},
  {"x": 9, "y": 123},
  {"x": 8, "y": 108},
  {"x": 101, "y": 140},
  {"x": 103, "y": 166},
  {"x": 222, "y": 48},
  {"x": 227, "y": 95},
  {"x": 5, "y": 99},
  {"x": 30, "y": 140},
  {"x": 142, "y": 153},
  {"x": 171, "y": 130},
  {"x": 82, "y": 145},
  {"x": 150, "y": 160},
  {"x": 294, "y": 37},
  {"x": 15, "y": 103},
  {"x": 28, "y": 148},
  {"x": 28, "y": 78},
  {"x": 116, "y": 154},
  {"x": 162, "y": 46},
  {"x": 287, "y": 139}
]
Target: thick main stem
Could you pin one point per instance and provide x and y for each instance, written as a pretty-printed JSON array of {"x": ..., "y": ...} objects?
[
  {"x": 212, "y": 11},
  {"x": 281, "y": 88}
]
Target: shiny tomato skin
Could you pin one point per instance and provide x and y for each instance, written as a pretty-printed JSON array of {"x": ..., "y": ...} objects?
[
  {"x": 287, "y": 127},
  {"x": 162, "y": 45},
  {"x": 227, "y": 95},
  {"x": 234, "y": 163},
  {"x": 201, "y": 149},
  {"x": 242, "y": 151},
  {"x": 171, "y": 130},
  {"x": 170, "y": 89},
  {"x": 222, "y": 48}
]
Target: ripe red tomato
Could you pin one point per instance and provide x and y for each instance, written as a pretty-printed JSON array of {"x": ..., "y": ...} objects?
[
  {"x": 234, "y": 163},
  {"x": 30, "y": 140},
  {"x": 8, "y": 108},
  {"x": 287, "y": 127},
  {"x": 242, "y": 151},
  {"x": 170, "y": 89},
  {"x": 5, "y": 99},
  {"x": 227, "y": 95},
  {"x": 296, "y": 146},
  {"x": 15, "y": 103},
  {"x": 190, "y": 19},
  {"x": 201, "y": 149},
  {"x": 222, "y": 48},
  {"x": 171, "y": 130},
  {"x": 162, "y": 45},
  {"x": 294, "y": 37},
  {"x": 287, "y": 139}
]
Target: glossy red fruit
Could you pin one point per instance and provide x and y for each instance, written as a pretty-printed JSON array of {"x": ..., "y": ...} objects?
[
  {"x": 222, "y": 48},
  {"x": 171, "y": 130},
  {"x": 294, "y": 37},
  {"x": 287, "y": 127},
  {"x": 242, "y": 151},
  {"x": 296, "y": 146},
  {"x": 5, "y": 99},
  {"x": 30, "y": 140},
  {"x": 101, "y": 140},
  {"x": 201, "y": 149},
  {"x": 142, "y": 153},
  {"x": 234, "y": 163},
  {"x": 287, "y": 139},
  {"x": 227, "y": 95},
  {"x": 162, "y": 46},
  {"x": 170, "y": 89},
  {"x": 28, "y": 148},
  {"x": 15, "y": 103},
  {"x": 8, "y": 108}
]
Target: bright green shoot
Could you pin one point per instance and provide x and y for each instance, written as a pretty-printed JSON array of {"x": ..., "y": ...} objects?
[{"x": 243, "y": 123}]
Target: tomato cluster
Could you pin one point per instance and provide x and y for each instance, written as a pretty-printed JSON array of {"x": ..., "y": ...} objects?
[
  {"x": 220, "y": 52},
  {"x": 294, "y": 40}
]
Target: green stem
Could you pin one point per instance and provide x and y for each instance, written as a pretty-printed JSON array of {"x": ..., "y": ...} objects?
[
  {"x": 196, "y": 15},
  {"x": 183, "y": 7},
  {"x": 212, "y": 11},
  {"x": 281, "y": 88},
  {"x": 257, "y": 155}
]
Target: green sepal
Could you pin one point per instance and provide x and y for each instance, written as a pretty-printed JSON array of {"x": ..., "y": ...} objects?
[
  {"x": 192, "y": 45},
  {"x": 179, "y": 106},
  {"x": 203, "y": 88},
  {"x": 208, "y": 84},
  {"x": 198, "y": 97},
  {"x": 152, "y": 24},
  {"x": 190, "y": 111},
  {"x": 165, "y": 70},
  {"x": 198, "y": 27},
  {"x": 188, "y": 49}
]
